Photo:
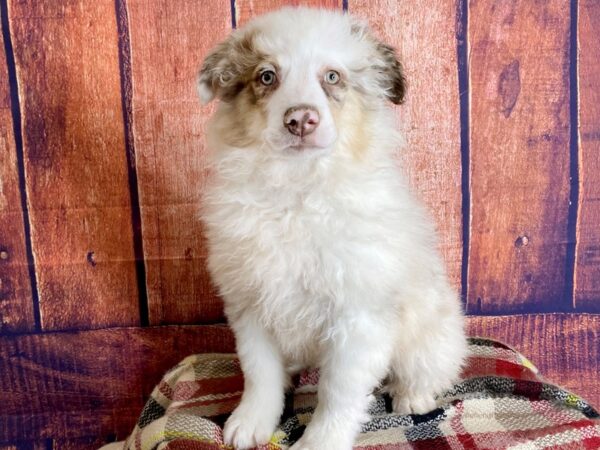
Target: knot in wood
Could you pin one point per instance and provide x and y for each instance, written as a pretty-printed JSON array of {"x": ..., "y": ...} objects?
[
  {"x": 522, "y": 241},
  {"x": 509, "y": 87},
  {"x": 91, "y": 258}
]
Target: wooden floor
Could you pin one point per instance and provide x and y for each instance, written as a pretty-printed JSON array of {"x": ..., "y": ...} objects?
[{"x": 92, "y": 384}]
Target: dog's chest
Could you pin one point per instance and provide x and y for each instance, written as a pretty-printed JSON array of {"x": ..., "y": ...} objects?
[
  {"x": 300, "y": 260},
  {"x": 298, "y": 245},
  {"x": 309, "y": 252},
  {"x": 311, "y": 241}
]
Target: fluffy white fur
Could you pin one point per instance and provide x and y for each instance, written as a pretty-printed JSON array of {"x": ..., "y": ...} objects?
[{"x": 321, "y": 255}]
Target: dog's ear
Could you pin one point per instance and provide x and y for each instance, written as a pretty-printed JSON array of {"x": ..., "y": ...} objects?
[
  {"x": 229, "y": 66},
  {"x": 388, "y": 70},
  {"x": 217, "y": 71},
  {"x": 390, "y": 73}
]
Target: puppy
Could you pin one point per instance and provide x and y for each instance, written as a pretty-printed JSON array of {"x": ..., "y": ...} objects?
[{"x": 322, "y": 257}]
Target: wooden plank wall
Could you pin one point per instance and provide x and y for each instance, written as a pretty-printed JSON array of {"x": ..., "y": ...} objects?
[{"x": 101, "y": 172}]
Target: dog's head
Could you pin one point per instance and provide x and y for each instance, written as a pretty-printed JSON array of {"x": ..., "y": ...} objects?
[{"x": 295, "y": 78}]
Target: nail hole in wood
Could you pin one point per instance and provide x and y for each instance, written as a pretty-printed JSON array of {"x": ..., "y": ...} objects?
[
  {"x": 91, "y": 258},
  {"x": 522, "y": 241}
]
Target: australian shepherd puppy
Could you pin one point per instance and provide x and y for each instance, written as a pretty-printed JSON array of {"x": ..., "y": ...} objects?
[{"x": 321, "y": 255}]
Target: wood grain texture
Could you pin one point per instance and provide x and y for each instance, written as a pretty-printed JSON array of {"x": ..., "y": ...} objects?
[
  {"x": 31, "y": 445},
  {"x": 93, "y": 383},
  {"x": 430, "y": 119},
  {"x": 167, "y": 46},
  {"x": 247, "y": 9},
  {"x": 587, "y": 268},
  {"x": 16, "y": 304},
  {"x": 564, "y": 347},
  {"x": 66, "y": 57},
  {"x": 519, "y": 155}
]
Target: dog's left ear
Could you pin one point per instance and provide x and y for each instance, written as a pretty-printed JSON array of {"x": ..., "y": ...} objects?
[{"x": 390, "y": 73}]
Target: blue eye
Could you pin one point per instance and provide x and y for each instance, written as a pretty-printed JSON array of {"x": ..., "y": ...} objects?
[
  {"x": 332, "y": 77},
  {"x": 267, "y": 77}
]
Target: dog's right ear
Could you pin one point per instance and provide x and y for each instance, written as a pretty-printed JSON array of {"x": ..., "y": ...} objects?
[{"x": 216, "y": 72}]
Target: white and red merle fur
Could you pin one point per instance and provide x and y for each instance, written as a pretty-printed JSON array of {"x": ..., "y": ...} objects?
[{"x": 321, "y": 255}]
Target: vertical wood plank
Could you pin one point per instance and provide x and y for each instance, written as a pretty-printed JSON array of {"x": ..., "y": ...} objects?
[
  {"x": 247, "y": 9},
  {"x": 587, "y": 257},
  {"x": 66, "y": 57},
  {"x": 424, "y": 37},
  {"x": 519, "y": 155},
  {"x": 16, "y": 302},
  {"x": 168, "y": 44}
]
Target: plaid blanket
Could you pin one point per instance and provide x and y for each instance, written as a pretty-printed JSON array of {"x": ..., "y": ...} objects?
[{"x": 501, "y": 403}]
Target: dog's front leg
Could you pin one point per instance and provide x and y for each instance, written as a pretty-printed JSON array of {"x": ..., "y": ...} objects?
[
  {"x": 256, "y": 417},
  {"x": 357, "y": 359}
]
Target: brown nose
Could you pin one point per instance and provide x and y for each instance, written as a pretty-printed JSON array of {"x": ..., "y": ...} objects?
[{"x": 301, "y": 120}]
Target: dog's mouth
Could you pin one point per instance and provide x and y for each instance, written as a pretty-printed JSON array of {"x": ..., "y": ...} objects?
[
  {"x": 305, "y": 145},
  {"x": 294, "y": 144}
]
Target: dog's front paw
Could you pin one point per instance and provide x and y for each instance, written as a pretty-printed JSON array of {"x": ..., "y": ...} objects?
[
  {"x": 248, "y": 427},
  {"x": 413, "y": 403}
]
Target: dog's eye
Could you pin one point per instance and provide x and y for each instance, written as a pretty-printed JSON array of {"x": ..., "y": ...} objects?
[
  {"x": 332, "y": 77},
  {"x": 267, "y": 77}
]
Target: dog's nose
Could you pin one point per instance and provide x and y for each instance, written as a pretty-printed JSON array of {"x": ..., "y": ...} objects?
[{"x": 301, "y": 120}]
